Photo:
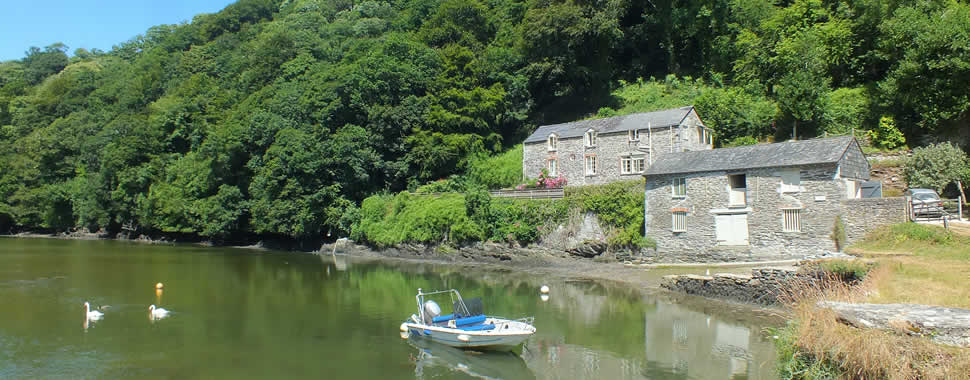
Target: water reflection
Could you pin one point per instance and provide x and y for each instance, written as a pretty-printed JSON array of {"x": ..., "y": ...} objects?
[
  {"x": 252, "y": 315},
  {"x": 432, "y": 360}
]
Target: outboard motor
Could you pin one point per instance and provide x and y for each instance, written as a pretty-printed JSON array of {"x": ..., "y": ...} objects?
[{"x": 431, "y": 310}]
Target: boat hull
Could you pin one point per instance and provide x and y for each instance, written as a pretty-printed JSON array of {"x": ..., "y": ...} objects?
[{"x": 483, "y": 340}]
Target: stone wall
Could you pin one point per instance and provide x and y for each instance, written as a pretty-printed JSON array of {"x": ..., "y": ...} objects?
[
  {"x": 570, "y": 153},
  {"x": 762, "y": 286},
  {"x": 862, "y": 216},
  {"x": 707, "y": 196}
]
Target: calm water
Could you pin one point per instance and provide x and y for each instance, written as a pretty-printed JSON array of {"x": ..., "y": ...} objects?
[{"x": 241, "y": 314}]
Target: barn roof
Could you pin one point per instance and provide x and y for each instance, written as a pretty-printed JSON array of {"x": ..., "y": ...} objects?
[
  {"x": 656, "y": 119},
  {"x": 789, "y": 153}
]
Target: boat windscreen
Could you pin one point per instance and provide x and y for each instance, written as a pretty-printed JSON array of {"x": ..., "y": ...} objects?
[{"x": 474, "y": 306}]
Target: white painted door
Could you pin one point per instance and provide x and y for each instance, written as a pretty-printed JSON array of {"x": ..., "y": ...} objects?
[{"x": 731, "y": 229}]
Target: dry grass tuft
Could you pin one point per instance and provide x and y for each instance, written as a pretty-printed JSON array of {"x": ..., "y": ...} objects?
[{"x": 862, "y": 353}]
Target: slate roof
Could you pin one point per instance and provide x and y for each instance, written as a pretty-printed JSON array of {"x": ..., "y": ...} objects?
[
  {"x": 789, "y": 153},
  {"x": 656, "y": 119}
]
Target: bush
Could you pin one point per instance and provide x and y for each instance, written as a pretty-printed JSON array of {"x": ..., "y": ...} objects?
[
  {"x": 849, "y": 271},
  {"x": 495, "y": 172},
  {"x": 543, "y": 182},
  {"x": 741, "y": 141},
  {"x": 885, "y": 135},
  {"x": 618, "y": 205},
  {"x": 838, "y": 234},
  {"x": 796, "y": 363},
  {"x": 935, "y": 166},
  {"x": 390, "y": 220}
]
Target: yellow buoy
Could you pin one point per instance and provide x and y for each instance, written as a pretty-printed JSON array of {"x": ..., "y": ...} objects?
[{"x": 159, "y": 285}]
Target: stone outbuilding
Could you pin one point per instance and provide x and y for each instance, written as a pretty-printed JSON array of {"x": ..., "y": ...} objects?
[
  {"x": 600, "y": 151},
  {"x": 761, "y": 202}
]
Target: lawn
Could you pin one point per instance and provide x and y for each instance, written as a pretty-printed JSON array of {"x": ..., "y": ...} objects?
[{"x": 922, "y": 264}]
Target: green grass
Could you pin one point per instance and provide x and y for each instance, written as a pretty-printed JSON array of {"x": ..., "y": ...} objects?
[{"x": 794, "y": 363}]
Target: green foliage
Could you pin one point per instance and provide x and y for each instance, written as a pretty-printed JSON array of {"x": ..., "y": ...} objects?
[
  {"x": 796, "y": 364},
  {"x": 279, "y": 117},
  {"x": 935, "y": 166},
  {"x": 902, "y": 232},
  {"x": 885, "y": 135},
  {"x": 389, "y": 220},
  {"x": 498, "y": 171},
  {"x": 838, "y": 235},
  {"x": 847, "y": 109},
  {"x": 731, "y": 112},
  {"x": 741, "y": 141},
  {"x": 618, "y": 205},
  {"x": 846, "y": 270}
]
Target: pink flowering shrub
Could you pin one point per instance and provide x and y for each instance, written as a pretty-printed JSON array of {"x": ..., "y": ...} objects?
[{"x": 545, "y": 181}]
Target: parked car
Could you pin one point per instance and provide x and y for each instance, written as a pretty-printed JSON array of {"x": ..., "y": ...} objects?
[{"x": 926, "y": 202}]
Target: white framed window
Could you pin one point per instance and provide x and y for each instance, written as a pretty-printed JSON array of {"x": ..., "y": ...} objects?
[
  {"x": 678, "y": 221},
  {"x": 792, "y": 220},
  {"x": 678, "y": 188},
  {"x": 589, "y": 139},
  {"x": 552, "y": 165},
  {"x": 631, "y": 165},
  {"x": 590, "y": 165},
  {"x": 790, "y": 181},
  {"x": 553, "y": 142},
  {"x": 634, "y": 135}
]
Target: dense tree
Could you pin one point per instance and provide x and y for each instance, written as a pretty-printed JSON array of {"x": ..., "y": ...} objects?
[{"x": 280, "y": 116}]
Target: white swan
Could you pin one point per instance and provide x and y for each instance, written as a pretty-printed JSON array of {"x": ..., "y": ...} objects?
[
  {"x": 91, "y": 315},
  {"x": 157, "y": 312}
]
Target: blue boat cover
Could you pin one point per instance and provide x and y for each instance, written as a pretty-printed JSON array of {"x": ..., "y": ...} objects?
[
  {"x": 443, "y": 318},
  {"x": 477, "y": 327},
  {"x": 470, "y": 320}
]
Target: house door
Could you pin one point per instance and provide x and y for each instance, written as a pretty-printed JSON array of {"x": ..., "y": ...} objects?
[{"x": 731, "y": 229}]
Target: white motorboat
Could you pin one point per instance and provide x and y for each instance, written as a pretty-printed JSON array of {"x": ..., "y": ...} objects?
[{"x": 467, "y": 326}]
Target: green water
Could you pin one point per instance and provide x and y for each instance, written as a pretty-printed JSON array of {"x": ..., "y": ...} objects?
[{"x": 241, "y": 314}]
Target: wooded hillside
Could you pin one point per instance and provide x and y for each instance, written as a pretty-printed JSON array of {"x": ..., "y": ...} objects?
[{"x": 279, "y": 116}]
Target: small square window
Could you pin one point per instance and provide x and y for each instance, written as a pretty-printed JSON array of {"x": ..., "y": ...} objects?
[
  {"x": 678, "y": 189},
  {"x": 553, "y": 142},
  {"x": 634, "y": 135},
  {"x": 679, "y": 221},
  {"x": 792, "y": 220}
]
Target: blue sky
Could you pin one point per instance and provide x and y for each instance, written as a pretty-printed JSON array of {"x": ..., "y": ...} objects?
[{"x": 88, "y": 23}]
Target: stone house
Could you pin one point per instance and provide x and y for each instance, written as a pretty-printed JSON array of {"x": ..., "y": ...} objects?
[
  {"x": 768, "y": 201},
  {"x": 600, "y": 151}
]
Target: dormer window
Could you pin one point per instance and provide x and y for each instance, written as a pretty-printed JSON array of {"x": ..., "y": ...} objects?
[
  {"x": 590, "y": 138},
  {"x": 634, "y": 135},
  {"x": 553, "y": 142}
]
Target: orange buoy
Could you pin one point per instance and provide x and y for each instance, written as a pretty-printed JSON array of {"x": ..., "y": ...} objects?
[{"x": 159, "y": 285}]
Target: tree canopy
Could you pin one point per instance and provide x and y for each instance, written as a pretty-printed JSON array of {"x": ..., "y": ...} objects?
[{"x": 280, "y": 116}]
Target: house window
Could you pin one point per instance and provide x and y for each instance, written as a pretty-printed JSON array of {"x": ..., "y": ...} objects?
[
  {"x": 634, "y": 135},
  {"x": 701, "y": 135},
  {"x": 737, "y": 189},
  {"x": 552, "y": 165},
  {"x": 590, "y": 165},
  {"x": 790, "y": 181},
  {"x": 553, "y": 142},
  {"x": 678, "y": 189},
  {"x": 631, "y": 165},
  {"x": 590, "y": 138},
  {"x": 792, "y": 220},
  {"x": 679, "y": 221}
]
